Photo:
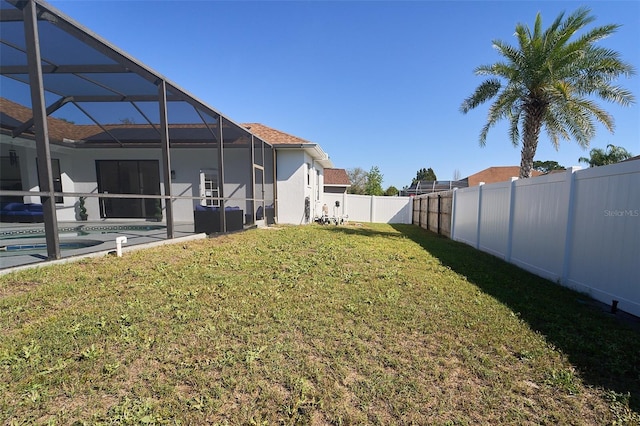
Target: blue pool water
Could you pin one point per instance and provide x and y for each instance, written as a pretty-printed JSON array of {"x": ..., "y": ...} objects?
[
  {"x": 64, "y": 245},
  {"x": 14, "y": 245}
]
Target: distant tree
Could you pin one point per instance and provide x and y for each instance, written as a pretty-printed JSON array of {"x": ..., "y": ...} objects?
[
  {"x": 358, "y": 179},
  {"x": 550, "y": 80},
  {"x": 425, "y": 174},
  {"x": 547, "y": 166},
  {"x": 374, "y": 182},
  {"x": 391, "y": 191},
  {"x": 600, "y": 157},
  {"x": 127, "y": 121}
]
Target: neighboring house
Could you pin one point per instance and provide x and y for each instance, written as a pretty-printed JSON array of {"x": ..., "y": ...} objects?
[
  {"x": 336, "y": 184},
  {"x": 300, "y": 172},
  {"x": 496, "y": 174},
  {"x": 336, "y": 181},
  {"x": 488, "y": 175},
  {"x": 637, "y": 157},
  {"x": 428, "y": 186}
]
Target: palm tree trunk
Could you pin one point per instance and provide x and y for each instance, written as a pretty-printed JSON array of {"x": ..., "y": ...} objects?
[
  {"x": 532, "y": 124},
  {"x": 526, "y": 158}
]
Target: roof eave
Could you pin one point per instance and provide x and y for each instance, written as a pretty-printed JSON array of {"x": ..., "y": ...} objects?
[{"x": 313, "y": 149}]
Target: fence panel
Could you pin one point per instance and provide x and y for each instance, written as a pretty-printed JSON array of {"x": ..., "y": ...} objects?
[
  {"x": 367, "y": 208},
  {"x": 392, "y": 209},
  {"x": 446, "y": 207},
  {"x": 358, "y": 208},
  {"x": 330, "y": 201},
  {"x": 494, "y": 218},
  {"x": 417, "y": 211},
  {"x": 433, "y": 212},
  {"x": 604, "y": 243},
  {"x": 539, "y": 224},
  {"x": 465, "y": 215},
  {"x": 580, "y": 228}
]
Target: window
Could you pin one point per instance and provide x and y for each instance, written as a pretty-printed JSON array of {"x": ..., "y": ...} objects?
[
  {"x": 308, "y": 174},
  {"x": 57, "y": 178},
  {"x": 209, "y": 190},
  {"x": 10, "y": 177}
]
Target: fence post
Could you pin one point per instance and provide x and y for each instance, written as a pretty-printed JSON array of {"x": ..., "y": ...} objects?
[
  {"x": 566, "y": 262},
  {"x": 453, "y": 212},
  {"x": 480, "y": 185},
  {"x": 427, "y": 215},
  {"x": 345, "y": 212},
  {"x": 372, "y": 206},
  {"x": 439, "y": 211},
  {"x": 512, "y": 206}
]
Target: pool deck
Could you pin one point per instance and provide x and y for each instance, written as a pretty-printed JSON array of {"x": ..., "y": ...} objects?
[{"x": 140, "y": 234}]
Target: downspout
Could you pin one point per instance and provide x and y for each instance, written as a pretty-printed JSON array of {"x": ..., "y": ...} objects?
[{"x": 313, "y": 187}]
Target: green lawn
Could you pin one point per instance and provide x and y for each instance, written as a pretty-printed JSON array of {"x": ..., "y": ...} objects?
[{"x": 371, "y": 324}]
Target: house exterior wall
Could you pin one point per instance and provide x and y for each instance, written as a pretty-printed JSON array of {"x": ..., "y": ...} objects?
[
  {"x": 78, "y": 174},
  {"x": 298, "y": 177},
  {"x": 186, "y": 163}
]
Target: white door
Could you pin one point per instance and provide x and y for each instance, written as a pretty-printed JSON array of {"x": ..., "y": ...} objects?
[{"x": 209, "y": 190}]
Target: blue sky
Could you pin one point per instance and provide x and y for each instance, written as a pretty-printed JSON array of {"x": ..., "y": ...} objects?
[{"x": 374, "y": 83}]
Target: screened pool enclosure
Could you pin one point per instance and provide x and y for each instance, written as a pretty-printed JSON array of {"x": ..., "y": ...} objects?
[{"x": 92, "y": 137}]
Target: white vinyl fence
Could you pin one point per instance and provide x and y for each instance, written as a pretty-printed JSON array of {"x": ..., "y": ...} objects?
[
  {"x": 580, "y": 228},
  {"x": 367, "y": 208}
]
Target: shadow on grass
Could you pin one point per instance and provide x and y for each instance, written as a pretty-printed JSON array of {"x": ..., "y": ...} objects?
[{"x": 604, "y": 347}]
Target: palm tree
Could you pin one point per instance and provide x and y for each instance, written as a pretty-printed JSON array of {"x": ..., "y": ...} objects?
[
  {"x": 550, "y": 81},
  {"x": 600, "y": 157}
]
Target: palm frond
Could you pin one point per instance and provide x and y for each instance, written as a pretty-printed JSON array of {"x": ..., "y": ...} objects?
[
  {"x": 555, "y": 129},
  {"x": 484, "y": 92},
  {"x": 506, "y": 105},
  {"x": 514, "y": 126},
  {"x": 617, "y": 95},
  {"x": 512, "y": 54},
  {"x": 592, "y": 109}
]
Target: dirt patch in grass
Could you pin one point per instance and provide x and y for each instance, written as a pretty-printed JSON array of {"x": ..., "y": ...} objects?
[{"x": 16, "y": 288}]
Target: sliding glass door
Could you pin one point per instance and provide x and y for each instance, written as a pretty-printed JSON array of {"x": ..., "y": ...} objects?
[{"x": 129, "y": 177}]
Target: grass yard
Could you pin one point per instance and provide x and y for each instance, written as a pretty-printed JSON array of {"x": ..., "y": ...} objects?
[{"x": 371, "y": 324}]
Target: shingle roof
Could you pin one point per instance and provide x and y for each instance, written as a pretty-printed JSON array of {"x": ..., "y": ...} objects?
[
  {"x": 497, "y": 174},
  {"x": 12, "y": 115},
  {"x": 273, "y": 136},
  {"x": 337, "y": 177}
]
